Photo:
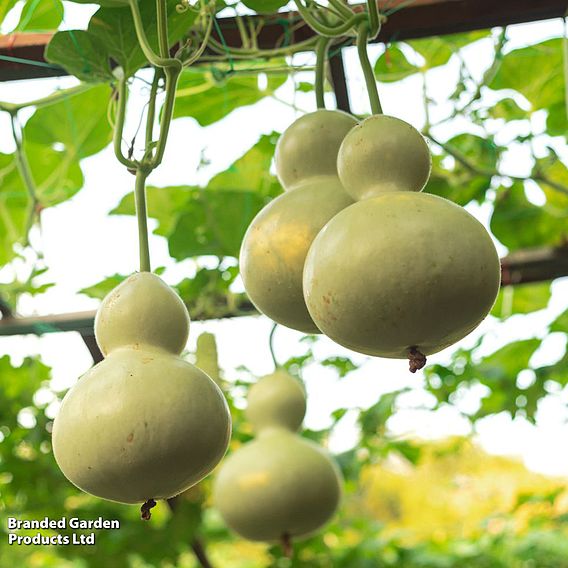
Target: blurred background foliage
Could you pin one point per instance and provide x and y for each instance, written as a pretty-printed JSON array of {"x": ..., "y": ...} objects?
[{"x": 408, "y": 503}]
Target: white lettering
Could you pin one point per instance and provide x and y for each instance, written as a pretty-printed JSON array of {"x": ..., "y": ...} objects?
[
  {"x": 11, "y": 538},
  {"x": 12, "y": 523}
]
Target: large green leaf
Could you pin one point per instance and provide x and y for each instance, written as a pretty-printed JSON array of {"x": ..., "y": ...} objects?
[
  {"x": 165, "y": 204},
  {"x": 437, "y": 50},
  {"x": 5, "y": 7},
  {"x": 17, "y": 387},
  {"x": 204, "y": 98},
  {"x": 517, "y": 223},
  {"x": 393, "y": 65},
  {"x": 14, "y": 207},
  {"x": 58, "y": 136},
  {"x": 78, "y": 124},
  {"x": 560, "y": 323},
  {"x": 214, "y": 223},
  {"x": 40, "y": 15},
  {"x": 521, "y": 299},
  {"x": 111, "y": 36},
  {"x": 535, "y": 72},
  {"x": 505, "y": 364},
  {"x": 251, "y": 171},
  {"x": 457, "y": 182},
  {"x": 81, "y": 54}
]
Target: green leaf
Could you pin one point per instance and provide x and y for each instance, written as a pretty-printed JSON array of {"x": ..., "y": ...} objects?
[
  {"x": 504, "y": 365},
  {"x": 251, "y": 171},
  {"x": 533, "y": 71},
  {"x": 200, "y": 96},
  {"x": 375, "y": 418},
  {"x": 102, "y": 288},
  {"x": 557, "y": 120},
  {"x": 437, "y": 50},
  {"x": 560, "y": 323},
  {"x": 517, "y": 223},
  {"x": 164, "y": 204},
  {"x": 111, "y": 36},
  {"x": 507, "y": 109},
  {"x": 18, "y": 386},
  {"x": 14, "y": 207},
  {"x": 265, "y": 6},
  {"x": 40, "y": 15},
  {"x": 457, "y": 182},
  {"x": 521, "y": 299},
  {"x": 556, "y": 172},
  {"x": 5, "y": 7},
  {"x": 79, "y": 123},
  {"x": 81, "y": 54},
  {"x": 343, "y": 365},
  {"x": 214, "y": 223},
  {"x": 392, "y": 65},
  {"x": 58, "y": 136}
]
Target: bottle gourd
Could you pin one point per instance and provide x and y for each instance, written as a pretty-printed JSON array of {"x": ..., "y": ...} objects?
[
  {"x": 143, "y": 424},
  {"x": 275, "y": 245},
  {"x": 279, "y": 486},
  {"x": 399, "y": 273}
]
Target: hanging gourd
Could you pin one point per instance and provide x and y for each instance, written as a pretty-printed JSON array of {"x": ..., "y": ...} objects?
[
  {"x": 275, "y": 245},
  {"x": 280, "y": 486},
  {"x": 400, "y": 273}
]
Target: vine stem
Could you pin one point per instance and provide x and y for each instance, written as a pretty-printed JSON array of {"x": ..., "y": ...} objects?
[
  {"x": 325, "y": 30},
  {"x": 141, "y": 215},
  {"x": 162, "y": 14},
  {"x": 172, "y": 75},
  {"x": 122, "y": 94},
  {"x": 152, "y": 107},
  {"x": 152, "y": 57},
  {"x": 322, "y": 48},
  {"x": 25, "y": 172},
  {"x": 271, "y": 345},
  {"x": 50, "y": 99},
  {"x": 362, "y": 39}
]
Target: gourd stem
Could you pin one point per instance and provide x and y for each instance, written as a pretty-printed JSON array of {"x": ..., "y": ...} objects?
[
  {"x": 162, "y": 17},
  {"x": 172, "y": 75},
  {"x": 25, "y": 172},
  {"x": 374, "y": 20},
  {"x": 152, "y": 108},
  {"x": 152, "y": 57},
  {"x": 372, "y": 91},
  {"x": 47, "y": 100},
  {"x": 322, "y": 47},
  {"x": 271, "y": 345},
  {"x": 122, "y": 94},
  {"x": 140, "y": 200},
  {"x": 323, "y": 29}
]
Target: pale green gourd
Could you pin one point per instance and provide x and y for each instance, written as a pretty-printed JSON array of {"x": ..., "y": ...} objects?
[
  {"x": 275, "y": 245},
  {"x": 279, "y": 486},
  {"x": 142, "y": 424},
  {"x": 400, "y": 273}
]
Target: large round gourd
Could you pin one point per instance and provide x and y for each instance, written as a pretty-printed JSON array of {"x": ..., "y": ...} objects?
[
  {"x": 275, "y": 245},
  {"x": 401, "y": 272},
  {"x": 143, "y": 424},
  {"x": 279, "y": 486}
]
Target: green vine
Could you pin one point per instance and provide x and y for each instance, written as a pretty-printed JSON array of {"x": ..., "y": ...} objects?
[
  {"x": 362, "y": 39},
  {"x": 322, "y": 48}
]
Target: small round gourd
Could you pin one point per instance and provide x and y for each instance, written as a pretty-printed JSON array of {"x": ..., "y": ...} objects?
[
  {"x": 279, "y": 486},
  {"x": 383, "y": 154},
  {"x": 275, "y": 245},
  {"x": 142, "y": 424}
]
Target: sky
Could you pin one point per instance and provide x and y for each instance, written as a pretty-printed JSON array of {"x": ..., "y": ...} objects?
[{"x": 82, "y": 245}]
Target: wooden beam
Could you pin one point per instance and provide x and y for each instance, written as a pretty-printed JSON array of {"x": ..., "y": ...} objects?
[
  {"x": 520, "y": 267},
  {"x": 420, "y": 18}
]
